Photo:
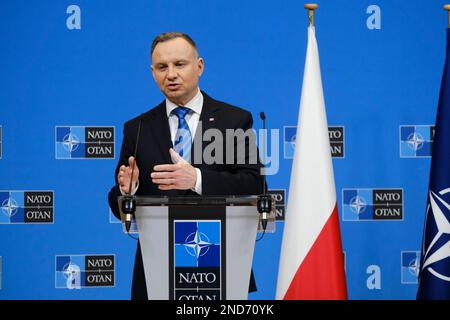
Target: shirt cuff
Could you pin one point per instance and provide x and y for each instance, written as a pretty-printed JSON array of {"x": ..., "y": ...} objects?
[
  {"x": 133, "y": 191},
  {"x": 198, "y": 183}
]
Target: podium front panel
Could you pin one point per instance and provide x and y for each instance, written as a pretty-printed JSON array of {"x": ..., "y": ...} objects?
[
  {"x": 241, "y": 223},
  {"x": 153, "y": 227},
  {"x": 197, "y": 252}
]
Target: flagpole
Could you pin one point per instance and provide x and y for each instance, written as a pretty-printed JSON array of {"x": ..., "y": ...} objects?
[
  {"x": 447, "y": 7},
  {"x": 311, "y": 7}
]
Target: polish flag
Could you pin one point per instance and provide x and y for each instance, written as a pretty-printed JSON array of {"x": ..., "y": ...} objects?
[{"x": 312, "y": 261}]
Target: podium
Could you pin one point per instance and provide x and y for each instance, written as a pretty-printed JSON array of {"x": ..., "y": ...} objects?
[{"x": 197, "y": 248}]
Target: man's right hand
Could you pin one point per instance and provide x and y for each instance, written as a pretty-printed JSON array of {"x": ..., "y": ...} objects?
[{"x": 124, "y": 175}]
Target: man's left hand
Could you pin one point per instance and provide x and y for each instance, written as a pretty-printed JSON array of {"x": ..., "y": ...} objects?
[{"x": 180, "y": 175}]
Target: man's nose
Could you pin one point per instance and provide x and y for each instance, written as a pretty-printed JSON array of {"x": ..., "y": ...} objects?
[{"x": 171, "y": 72}]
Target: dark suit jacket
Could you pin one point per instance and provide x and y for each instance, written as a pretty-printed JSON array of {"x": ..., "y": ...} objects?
[{"x": 217, "y": 179}]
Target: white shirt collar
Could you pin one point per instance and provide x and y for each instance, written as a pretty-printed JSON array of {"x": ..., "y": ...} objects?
[{"x": 195, "y": 104}]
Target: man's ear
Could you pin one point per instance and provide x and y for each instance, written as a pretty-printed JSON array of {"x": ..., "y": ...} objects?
[
  {"x": 200, "y": 65},
  {"x": 153, "y": 71}
]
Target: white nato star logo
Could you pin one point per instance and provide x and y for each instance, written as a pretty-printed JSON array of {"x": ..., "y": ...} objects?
[
  {"x": 358, "y": 204},
  {"x": 9, "y": 207},
  {"x": 415, "y": 141},
  {"x": 71, "y": 142},
  {"x": 441, "y": 215},
  {"x": 414, "y": 266},
  {"x": 72, "y": 273},
  {"x": 197, "y": 244}
]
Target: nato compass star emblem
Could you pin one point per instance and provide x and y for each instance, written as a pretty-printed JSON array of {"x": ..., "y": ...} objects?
[
  {"x": 9, "y": 207},
  {"x": 415, "y": 141},
  {"x": 358, "y": 204},
  {"x": 72, "y": 273},
  {"x": 437, "y": 250},
  {"x": 197, "y": 244},
  {"x": 71, "y": 142}
]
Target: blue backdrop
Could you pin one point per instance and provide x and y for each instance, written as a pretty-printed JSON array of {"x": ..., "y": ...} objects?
[{"x": 86, "y": 64}]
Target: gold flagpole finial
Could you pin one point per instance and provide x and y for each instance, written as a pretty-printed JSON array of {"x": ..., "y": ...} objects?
[
  {"x": 311, "y": 7},
  {"x": 447, "y": 7}
]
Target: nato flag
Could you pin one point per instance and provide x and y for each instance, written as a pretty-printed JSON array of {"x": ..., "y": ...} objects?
[{"x": 434, "y": 276}]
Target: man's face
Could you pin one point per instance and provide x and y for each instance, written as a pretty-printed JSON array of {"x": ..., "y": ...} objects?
[{"x": 176, "y": 69}]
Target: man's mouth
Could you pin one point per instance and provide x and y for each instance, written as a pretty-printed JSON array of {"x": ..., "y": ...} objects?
[{"x": 173, "y": 86}]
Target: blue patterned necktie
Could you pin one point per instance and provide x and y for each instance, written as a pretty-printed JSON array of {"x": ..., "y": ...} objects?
[{"x": 183, "y": 138}]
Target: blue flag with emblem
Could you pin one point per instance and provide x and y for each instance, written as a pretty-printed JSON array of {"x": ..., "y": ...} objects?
[{"x": 434, "y": 274}]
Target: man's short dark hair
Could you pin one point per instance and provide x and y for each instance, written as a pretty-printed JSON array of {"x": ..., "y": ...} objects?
[{"x": 166, "y": 36}]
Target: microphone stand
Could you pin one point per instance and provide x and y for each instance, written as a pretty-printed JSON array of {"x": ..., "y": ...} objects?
[
  {"x": 265, "y": 203},
  {"x": 129, "y": 201}
]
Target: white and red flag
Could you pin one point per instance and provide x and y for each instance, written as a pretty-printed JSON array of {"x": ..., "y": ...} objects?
[{"x": 312, "y": 260}]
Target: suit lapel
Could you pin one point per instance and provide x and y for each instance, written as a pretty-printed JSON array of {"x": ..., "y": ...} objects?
[
  {"x": 159, "y": 127},
  {"x": 207, "y": 121}
]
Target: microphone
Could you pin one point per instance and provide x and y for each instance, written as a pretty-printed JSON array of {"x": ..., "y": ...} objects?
[
  {"x": 129, "y": 201},
  {"x": 264, "y": 202}
]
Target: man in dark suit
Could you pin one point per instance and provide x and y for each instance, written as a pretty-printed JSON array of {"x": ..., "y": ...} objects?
[{"x": 171, "y": 157}]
